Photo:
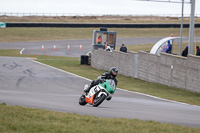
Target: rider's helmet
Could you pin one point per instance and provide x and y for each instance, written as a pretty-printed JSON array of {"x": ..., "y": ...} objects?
[{"x": 113, "y": 71}]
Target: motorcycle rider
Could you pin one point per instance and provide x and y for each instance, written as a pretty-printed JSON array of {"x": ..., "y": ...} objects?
[{"x": 112, "y": 74}]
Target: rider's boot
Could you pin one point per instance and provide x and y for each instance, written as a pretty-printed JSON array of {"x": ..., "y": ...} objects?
[
  {"x": 109, "y": 98},
  {"x": 94, "y": 82},
  {"x": 87, "y": 88}
]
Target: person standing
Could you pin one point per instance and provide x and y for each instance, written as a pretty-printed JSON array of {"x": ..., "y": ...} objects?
[
  {"x": 185, "y": 52},
  {"x": 99, "y": 40},
  {"x": 169, "y": 47},
  {"x": 123, "y": 48},
  {"x": 105, "y": 46},
  {"x": 198, "y": 51}
]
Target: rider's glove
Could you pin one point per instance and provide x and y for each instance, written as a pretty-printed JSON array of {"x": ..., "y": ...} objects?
[{"x": 101, "y": 80}]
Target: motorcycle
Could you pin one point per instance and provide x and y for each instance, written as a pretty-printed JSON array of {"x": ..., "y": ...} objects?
[{"x": 98, "y": 93}]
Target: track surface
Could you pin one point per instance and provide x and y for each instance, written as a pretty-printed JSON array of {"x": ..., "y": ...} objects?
[
  {"x": 27, "y": 83},
  {"x": 62, "y": 46}
]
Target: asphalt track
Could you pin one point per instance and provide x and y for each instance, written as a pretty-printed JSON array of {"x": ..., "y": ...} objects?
[
  {"x": 28, "y": 83},
  {"x": 25, "y": 82},
  {"x": 75, "y": 51},
  {"x": 62, "y": 46}
]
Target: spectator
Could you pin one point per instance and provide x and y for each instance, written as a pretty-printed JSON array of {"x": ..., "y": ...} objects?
[
  {"x": 198, "y": 51},
  {"x": 99, "y": 40},
  {"x": 123, "y": 48},
  {"x": 185, "y": 51},
  {"x": 169, "y": 47},
  {"x": 105, "y": 45}
]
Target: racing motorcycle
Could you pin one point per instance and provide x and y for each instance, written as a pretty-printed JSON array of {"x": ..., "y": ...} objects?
[{"x": 98, "y": 93}]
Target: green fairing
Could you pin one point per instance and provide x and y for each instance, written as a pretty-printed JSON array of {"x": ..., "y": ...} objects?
[{"x": 108, "y": 87}]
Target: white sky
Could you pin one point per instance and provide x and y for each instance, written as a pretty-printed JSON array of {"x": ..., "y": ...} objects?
[{"x": 121, "y": 7}]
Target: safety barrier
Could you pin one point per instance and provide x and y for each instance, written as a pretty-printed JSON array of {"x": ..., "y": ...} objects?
[
  {"x": 89, "y": 25},
  {"x": 166, "y": 69}
]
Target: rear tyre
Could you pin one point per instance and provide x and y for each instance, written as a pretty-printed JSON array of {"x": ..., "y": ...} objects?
[
  {"x": 99, "y": 100},
  {"x": 82, "y": 100}
]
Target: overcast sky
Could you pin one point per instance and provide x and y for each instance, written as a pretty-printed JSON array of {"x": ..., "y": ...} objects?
[{"x": 121, "y": 7}]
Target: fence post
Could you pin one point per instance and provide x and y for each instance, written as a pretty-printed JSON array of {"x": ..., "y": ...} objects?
[{"x": 136, "y": 66}]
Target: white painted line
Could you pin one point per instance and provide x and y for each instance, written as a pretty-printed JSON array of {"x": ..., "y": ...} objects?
[
  {"x": 156, "y": 97},
  {"x": 22, "y": 50},
  {"x": 117, "y": 88}
]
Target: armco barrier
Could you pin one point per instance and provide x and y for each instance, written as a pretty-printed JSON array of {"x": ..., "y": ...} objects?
[
  {"x": 81, "y": 25},
  {"x": 166, "y": 69}
]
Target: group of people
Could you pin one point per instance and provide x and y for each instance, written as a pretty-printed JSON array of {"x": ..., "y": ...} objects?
[
  {"x": 123, "y": 48},
  {"x": 185, "y": 51},
  {"x": 106, "y": 47}
]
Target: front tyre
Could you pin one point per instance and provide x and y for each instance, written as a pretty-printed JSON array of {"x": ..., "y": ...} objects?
[
  {"x": 82, "y": 100},
  {"x": 99, "y": 100}
]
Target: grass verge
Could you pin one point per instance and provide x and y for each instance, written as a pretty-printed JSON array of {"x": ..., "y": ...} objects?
[
  {"x": 28, "y": 120},
  {"x": 44, "y": 34}
]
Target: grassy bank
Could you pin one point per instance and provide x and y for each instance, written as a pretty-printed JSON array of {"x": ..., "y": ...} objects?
[
  {"x": 44, "y": 34},
  {"x": 15, "y": 119}
]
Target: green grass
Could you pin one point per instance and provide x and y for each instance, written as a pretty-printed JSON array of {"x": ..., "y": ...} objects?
[
  {"x": 15, "y": 119},
  {"x": 43, "y": 34},
  {"x": 137, "y": 48}
]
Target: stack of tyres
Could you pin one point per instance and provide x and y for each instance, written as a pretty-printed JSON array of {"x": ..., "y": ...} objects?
[{"x": 84, "y": 60}]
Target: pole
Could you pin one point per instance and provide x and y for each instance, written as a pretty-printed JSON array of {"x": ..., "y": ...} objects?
[
  {"x": 181, "y": 40},
  {"x": 191, "y": 34}
]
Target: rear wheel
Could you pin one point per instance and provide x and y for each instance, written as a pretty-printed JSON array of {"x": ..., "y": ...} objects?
[
  {"x": 82, "y": 100},
  {"x": 99, "y": 100}
]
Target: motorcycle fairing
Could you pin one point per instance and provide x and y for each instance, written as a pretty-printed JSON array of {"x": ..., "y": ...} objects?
[{"x": 89, "y": 98}]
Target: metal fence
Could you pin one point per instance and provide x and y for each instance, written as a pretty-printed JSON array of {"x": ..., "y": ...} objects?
[{"x": 96, "y": 25}]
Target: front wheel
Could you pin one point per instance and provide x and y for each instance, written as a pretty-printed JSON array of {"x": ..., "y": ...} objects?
[
  {"x": 82, "y": 100},
  {"x": 99, "y": 100}
]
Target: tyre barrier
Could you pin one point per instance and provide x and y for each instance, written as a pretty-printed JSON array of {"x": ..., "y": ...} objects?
[
  {"x": 80, "y": 25},
  {"x": 85, "y": 60}
]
